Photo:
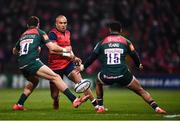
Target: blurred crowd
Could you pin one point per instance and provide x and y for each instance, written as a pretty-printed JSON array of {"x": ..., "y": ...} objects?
[{"x": 152, "y": 25}]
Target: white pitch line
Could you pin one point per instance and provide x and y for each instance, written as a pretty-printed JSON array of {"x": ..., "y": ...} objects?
[{"x": 172, "y": 116}]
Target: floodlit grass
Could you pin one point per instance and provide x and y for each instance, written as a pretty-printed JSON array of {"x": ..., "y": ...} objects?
[{"x": 122, "y": 104}]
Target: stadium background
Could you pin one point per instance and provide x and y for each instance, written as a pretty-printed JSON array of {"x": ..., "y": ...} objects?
[{"x": 152, "y": 25}]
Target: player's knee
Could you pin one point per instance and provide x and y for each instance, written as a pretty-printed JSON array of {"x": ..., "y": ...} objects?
[{"x": 56, "y": 77}]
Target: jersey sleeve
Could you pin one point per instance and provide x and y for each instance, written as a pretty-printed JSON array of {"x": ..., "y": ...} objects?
[
  {"x": 52, "y": 36},
  {"x": 94, "y": 55},
  {"x": 44, "y": 36},
  {"x": 132, "y": 52},
  {"x": 97, "y": 48},
  {"x": 130, "y": 46}
]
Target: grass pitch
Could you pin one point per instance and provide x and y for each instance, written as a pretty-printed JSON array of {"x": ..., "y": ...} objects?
[{"x": 122, "y": 104}]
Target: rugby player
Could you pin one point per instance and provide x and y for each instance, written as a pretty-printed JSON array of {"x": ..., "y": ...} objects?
[
  {"x": 27, "y": 49},
  {"x": 112, "y": 51},
  {"x": 63, "y": 65}
]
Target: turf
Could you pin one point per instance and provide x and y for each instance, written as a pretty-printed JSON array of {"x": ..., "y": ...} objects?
[{"x": 121, "y": 104}]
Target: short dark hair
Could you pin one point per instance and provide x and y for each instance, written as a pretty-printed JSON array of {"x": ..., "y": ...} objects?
[
  {"x": 114, "y": 26},
  {"x": 33, "y": 21}
]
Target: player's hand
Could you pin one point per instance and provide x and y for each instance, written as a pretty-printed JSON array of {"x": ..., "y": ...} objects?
[
  {"x": 79, "y": 68},
  {"x": 77, "y": 61}
]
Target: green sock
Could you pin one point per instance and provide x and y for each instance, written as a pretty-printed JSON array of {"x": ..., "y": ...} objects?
[
  {"x": 100, "y": 102},
  {"x": 69, "y": 95},
  {"x": 22, "y": 99},
  {"x": 153, "y": 104},
  {"x": 94, "y": 102}
]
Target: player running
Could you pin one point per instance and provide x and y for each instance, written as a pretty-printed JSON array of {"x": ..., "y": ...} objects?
[
  {"x": 112, "y": 51},
  {"x": 63, "y": 65},
  {"x": 27, "y": 49}
]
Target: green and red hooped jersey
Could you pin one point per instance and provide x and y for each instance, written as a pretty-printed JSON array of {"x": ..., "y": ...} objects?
[
  {"x": 28, "y": 45},
  {"x": 112, "y": 51}
]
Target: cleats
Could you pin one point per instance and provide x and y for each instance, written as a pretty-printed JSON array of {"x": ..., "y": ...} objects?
[
  {"x": 56, "y": 104},
  {"x": 78, "y": 101},
  {"x": 18, "y": 107},
  {"x": 101, "y": 109},
  {"x": 96, "y": 107},
  {"x": 160, "y": 111}
]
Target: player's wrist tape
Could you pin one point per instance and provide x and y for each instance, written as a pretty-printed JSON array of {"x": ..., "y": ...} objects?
[
  {"x": 64, "y": 50},
  {"x": 66, "y": 54},
  {"x": 82, "y": 67}
]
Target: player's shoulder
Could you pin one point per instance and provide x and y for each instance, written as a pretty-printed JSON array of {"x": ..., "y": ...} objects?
[
  {"x": 30, "y": 31},
  {"x": 41, "y": 32},
  {"x": 100, "y": 41},
  {"x": 128, "y": 41},
  {"x": 53, "y": 30},
  {"x": 125, "y": 39}
]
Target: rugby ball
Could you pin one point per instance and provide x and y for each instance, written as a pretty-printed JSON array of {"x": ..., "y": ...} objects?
[{"x": 82, "y": 86}]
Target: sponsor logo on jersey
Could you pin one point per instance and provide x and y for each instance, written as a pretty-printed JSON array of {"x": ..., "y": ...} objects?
[{"x": 113, "y": 45}]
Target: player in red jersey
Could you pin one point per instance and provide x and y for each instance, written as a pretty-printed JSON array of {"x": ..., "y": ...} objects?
[{"x": 63, "y": 65}]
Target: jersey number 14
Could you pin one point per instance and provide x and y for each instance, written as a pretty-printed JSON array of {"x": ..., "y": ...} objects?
[{"x": 24, "y": 46}]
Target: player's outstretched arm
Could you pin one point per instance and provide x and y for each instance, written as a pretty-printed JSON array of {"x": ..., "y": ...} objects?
[
  {"x": 76, "y": 60},
  {"x": 132, "y": 52},
  {"x": 136, "y": 59},
  {"x": 53, "y": 47},
  {"x": 87, "y": 63}
]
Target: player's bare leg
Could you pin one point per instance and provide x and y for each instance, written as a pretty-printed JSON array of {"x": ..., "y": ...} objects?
[
  {"x": 100, "y": 94},
  {"x": 48, "y": 74},
  {"x": 76, "y": 77},
  {"x": 28, "y": 89},
  {"x": 137, "y": 88},
  {"x": 54, "y": 95}
]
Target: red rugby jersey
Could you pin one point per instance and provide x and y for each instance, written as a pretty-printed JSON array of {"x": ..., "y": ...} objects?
[{"x": 57, "y": 62}]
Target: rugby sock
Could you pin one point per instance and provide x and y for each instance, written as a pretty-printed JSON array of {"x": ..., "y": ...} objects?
[
  {"x": 100, "y": 102},
  {"x": 94, "y": 102},
  {"x": 69, "y": 95},
  {"x": 22, "y": 99},
  {"x": 153, "y": 104}
]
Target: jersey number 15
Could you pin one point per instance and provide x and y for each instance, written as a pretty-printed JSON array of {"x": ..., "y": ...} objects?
[{"x": 113, "y": 55}]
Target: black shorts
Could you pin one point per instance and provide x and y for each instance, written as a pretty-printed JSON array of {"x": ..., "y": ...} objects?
[
  {"x": 122, "y": 80},
  {"x": 66, "y": 71}
]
